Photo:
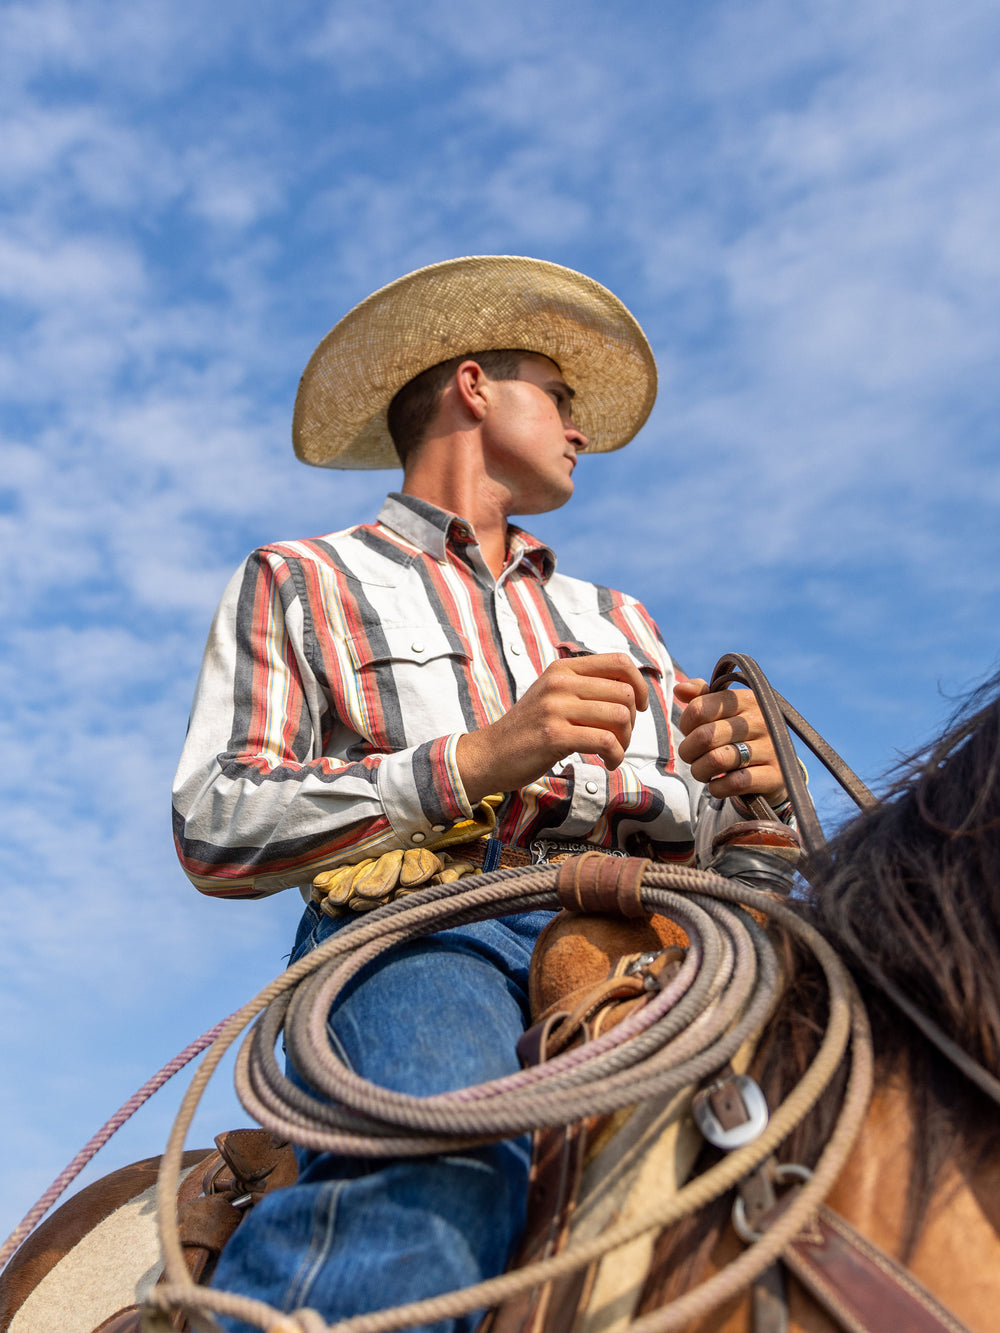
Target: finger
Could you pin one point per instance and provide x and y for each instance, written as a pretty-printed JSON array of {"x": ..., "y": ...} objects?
[
  {"x": 732, "y": 715},
  {"x": 714, "y": 763},
  {"x": 604, "y": 744},
  {"x": 578, "y": 692},
  {"x": 715, "y": 738},
  {"x": 716, "y": 704},
  {"x": 375, "y": 879},
  {"x": 418, "y": 865},
  {"x": 332, "y": 889},
  {"x": 447, "y": 876},
  {"x": 742, "y": 769},
  {"x": 686, "y": 690},
  {"x": 597, "y": 716},
  {"x": 612, "y": 666},
  {"x": 757, "y": 780},
  {"x": 334, "y": 884}
]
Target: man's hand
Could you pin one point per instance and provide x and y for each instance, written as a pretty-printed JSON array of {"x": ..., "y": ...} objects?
[
  {"x": 712, "y": 724},
  {"x": 586, "y": 704}
]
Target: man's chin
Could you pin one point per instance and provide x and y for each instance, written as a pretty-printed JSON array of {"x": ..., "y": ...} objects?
[{"x": 553, "y": 498}]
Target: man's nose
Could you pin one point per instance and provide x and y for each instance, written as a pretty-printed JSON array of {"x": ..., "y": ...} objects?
[{"x": 577, "y": 438}]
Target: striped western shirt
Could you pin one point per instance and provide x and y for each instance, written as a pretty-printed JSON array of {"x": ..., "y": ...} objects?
[{"x": 340, "y": 673}]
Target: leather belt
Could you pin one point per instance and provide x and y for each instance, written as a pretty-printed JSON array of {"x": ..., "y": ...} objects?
[{"x": 492, "y": 854}]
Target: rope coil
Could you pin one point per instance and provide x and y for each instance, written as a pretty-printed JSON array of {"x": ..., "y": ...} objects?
[
  {"x": 723, "y": 995},
  {"x": 725, "y": 991}
]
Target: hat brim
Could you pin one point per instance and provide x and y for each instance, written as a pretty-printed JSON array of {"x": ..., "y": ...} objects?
[{"x": 479, "y": 303}]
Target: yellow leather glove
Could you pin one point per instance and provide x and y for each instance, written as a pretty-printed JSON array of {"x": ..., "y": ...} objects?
[
  {"x": 481, "y": 825},
  {"x": 380, "y": 879}
]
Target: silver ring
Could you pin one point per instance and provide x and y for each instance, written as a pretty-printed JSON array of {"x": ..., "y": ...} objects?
[
  {"x": 742, "y": 751},
  {"x": 784, "y": 1171}
]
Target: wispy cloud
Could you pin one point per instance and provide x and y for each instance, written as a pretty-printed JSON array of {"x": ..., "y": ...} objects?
[{"x": 801, "y": 208}]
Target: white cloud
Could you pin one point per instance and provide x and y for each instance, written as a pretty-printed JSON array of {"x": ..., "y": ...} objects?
[
  {"x": 800, "y": 206},
  {"x": 67, "y": 270},
  {"x": 127, "y": 49}
]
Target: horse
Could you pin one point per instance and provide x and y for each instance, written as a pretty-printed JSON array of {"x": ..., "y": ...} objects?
[{"x": 908, "y": 896}]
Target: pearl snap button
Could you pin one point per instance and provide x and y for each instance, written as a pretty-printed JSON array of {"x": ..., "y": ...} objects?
[
  {"x": 591, "y": 786},
  {"x": 438, "y": 828},
  {"x": 417, "y": 647},
  {"x": 418, "y": 837},
  {"x": 515, "y": 650}
]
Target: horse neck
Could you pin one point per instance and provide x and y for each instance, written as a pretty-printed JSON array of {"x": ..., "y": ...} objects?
[
  {"x": 957, "y": 1254},
  {"x": 957, "y": 1251}
]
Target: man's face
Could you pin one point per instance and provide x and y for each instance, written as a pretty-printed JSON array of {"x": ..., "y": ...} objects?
[{"x": 529, "y": 440}]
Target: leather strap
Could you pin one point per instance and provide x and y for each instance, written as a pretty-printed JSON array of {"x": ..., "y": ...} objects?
[
  {"x": 594, "y": 882},
  {"x": 860, "y": 1286},
  {"x": 769, "y": 1302},
  {"x": 211, "y": 1203},
  {"x": 126, "y": 1320},
  {"x": 483, "y": 852},
  {"x": 779, "y": 838}
]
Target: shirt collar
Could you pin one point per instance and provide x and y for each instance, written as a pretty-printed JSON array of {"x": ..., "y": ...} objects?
[{"x": 429, "y": 528}]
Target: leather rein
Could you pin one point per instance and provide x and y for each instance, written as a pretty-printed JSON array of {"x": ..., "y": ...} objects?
[{"x": 780, "y": 717}]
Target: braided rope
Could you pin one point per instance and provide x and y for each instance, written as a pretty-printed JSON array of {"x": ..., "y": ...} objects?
[
  {"x": 93, "y": 1145},
  {"x": 734, "y": 977},
  {"x": 511, "y": 1105}
]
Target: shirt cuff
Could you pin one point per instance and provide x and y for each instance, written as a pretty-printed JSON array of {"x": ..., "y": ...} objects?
[
  {"x": 421, "y": 790},
  {"x": 588, "y": 801}
]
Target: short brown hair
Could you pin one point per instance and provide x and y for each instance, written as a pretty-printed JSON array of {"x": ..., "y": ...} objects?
[{"x": 413, "y": 408}]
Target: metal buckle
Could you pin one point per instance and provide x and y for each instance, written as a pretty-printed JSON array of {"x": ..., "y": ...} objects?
[
  {"x": 542, "y": 848},
  {"x": 754, "y": 1102},
  {"x": 639, "y": 967},
  {"x": 785, "y": 1171}
]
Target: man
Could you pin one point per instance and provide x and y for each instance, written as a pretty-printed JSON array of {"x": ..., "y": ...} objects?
[{"x": 365, "y": 692}]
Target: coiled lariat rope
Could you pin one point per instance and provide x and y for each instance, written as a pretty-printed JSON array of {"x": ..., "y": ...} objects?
[{"x": 723, "y": 995}]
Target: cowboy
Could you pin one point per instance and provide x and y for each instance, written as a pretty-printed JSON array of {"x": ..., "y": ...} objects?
[{"x": 426, "y": 694}]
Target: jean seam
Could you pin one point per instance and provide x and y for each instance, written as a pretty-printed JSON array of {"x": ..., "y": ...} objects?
[
  {"x": 301, "y": 1285},
  {"x": 338, "y": 1047}
]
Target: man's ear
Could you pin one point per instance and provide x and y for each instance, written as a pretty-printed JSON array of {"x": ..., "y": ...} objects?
[{"x": 470, "y": 383}]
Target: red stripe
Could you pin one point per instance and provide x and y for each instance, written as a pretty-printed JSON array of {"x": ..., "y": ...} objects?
[
  {"x": 247, "y": 869},
  {"x": 529, "y": 589},
  {"x": 484, "y": 638}
]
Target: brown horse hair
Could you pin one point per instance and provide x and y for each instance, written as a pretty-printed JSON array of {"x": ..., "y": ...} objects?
[{"x": 911, "y": 890}]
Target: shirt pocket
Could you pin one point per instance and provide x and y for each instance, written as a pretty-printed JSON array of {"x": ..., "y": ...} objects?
[
  {"x": 604, "y": 638},
  {"x": 412, "y": 684}
]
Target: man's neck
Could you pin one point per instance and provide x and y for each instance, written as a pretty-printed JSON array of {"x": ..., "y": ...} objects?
[{"x": 473, "y": 498}]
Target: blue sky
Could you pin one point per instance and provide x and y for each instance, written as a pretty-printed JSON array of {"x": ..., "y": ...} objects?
[{"x": 800, "y": 204}]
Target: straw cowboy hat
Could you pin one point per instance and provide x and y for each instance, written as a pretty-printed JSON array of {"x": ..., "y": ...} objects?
[{"x": 469, "y": 305}]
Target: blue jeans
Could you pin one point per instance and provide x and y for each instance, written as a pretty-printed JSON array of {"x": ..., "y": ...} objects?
[{"x": 355, "y": 1235}]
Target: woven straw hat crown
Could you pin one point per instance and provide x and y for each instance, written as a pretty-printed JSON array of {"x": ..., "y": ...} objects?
[{"x": 479, "y": 303}]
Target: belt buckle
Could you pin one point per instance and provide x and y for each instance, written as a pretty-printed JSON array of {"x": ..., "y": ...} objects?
[{"x": 542, "y": 848}]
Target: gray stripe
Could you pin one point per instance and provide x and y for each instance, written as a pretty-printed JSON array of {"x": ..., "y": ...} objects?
[
  {"x": 459, "y": 666},
  {"x": 243, "y": 672}
]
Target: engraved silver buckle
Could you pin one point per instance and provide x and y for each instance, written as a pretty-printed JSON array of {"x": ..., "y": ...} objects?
[{"x": 542, "y": 848}]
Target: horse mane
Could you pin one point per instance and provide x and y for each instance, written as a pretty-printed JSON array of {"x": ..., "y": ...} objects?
[{"x": 911, "y": 890}]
